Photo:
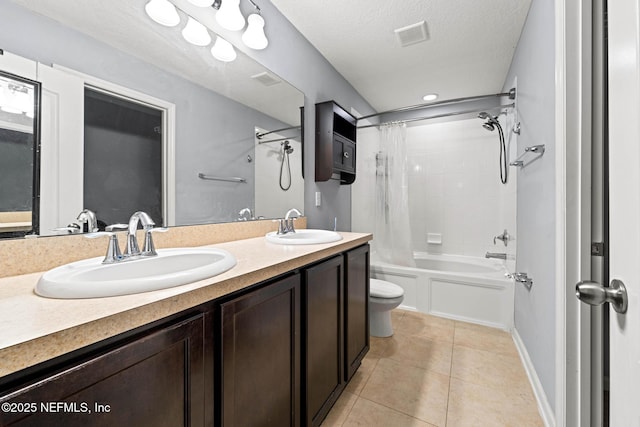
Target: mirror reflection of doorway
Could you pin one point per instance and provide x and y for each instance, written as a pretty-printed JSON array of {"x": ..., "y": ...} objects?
[{"x": 122, "y": 158}]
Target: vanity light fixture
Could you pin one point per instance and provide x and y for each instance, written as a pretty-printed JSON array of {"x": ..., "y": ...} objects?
[
  {"x": 196, "y": 33},
  {"x": 254, "y": 36},
  {"x": 430, "y": 97},
  {"x": 222, "y": 50},
  {"x": 229, "y": 15},
  {"x": 163, "y": 12}
]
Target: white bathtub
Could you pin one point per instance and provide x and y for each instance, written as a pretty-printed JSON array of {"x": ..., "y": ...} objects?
[{"x": 458, "y": 287}]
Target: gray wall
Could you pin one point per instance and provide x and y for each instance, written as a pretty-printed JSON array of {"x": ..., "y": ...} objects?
[
  {"x": 201, "y": 114},
  {"x": 533, "y": 66},
  {"x": 293, "y": 58}
]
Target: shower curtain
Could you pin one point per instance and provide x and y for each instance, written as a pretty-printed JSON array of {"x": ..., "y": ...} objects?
[{"x": 392, "y": 234}]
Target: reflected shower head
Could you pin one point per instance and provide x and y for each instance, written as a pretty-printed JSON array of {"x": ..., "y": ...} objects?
[{"x": 286, "y": 147}]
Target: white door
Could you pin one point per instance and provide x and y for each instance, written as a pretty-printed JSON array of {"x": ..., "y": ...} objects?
[{"x": 624, "y": 208}]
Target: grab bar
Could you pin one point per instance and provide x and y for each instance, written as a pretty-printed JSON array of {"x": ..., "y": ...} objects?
[{"x": 220, "y": 178}]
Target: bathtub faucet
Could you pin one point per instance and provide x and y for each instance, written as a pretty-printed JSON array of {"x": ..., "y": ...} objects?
[{"x": 495, "y": 255}]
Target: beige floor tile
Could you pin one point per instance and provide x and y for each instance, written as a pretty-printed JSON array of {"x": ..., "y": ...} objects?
[
  {"x": 341, "y": 409},
  {"x": 424, "y": 325},
  {"x": 359, "y": 379},
  {"x": 416, "y": 392},
  {"x": 488, "y": 369},
  {"x": 397, "y": 315},
  {"x": 483, "y": 338},
  {"x": 474, "y": 405},
  {"x": 378, "y": 346},
  {"x": 420, "y": 352},
  {"x": 370, "y": 414}
]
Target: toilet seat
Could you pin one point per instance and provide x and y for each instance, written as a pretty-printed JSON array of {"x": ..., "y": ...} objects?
[{"x": 383, "y": 289}]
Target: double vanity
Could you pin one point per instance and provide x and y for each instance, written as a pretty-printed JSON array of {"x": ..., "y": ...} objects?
[{"x": 272, "y": 340}]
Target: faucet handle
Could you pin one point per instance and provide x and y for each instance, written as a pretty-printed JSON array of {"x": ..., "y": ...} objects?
[
  {"x": 113, "y": 250},
  {"x": 282, "y": 226},
  {"x": 114, "y": 227},
  {"x": 72, "y": 228},
  {"x": 149, "y": 248}
]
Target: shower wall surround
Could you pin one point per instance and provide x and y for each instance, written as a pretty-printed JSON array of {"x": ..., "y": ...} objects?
[{"x": 454, "y": 187}]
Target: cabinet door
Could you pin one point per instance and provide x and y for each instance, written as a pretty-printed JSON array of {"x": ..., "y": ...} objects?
[
  {"x": 261, "y": 357},
  {"x": 156, "y": 380},
  {"x": 323, "y": 360},
  {"x": 356, "y": 308}
]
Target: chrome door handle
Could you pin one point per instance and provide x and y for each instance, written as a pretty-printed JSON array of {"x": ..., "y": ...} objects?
[{"x": 595, "y": 294}]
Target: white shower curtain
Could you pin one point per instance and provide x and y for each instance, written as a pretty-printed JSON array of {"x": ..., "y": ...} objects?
[{"x": 392, "y": 233}]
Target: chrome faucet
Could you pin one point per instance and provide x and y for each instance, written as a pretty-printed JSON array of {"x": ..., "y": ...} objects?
[
  {"x": 505, "y": 237},
  {"x": 133, "y": 249},
  {"x": 495, "y": 255},
  {"x": 243, "y": 215},
  {"x": 286, "y": 224},
  {"x": 89, "y": 217}
]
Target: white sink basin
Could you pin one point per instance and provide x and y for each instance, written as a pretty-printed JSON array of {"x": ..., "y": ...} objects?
[
  {"x": 304, "y": 237},
  {"x": 90, "y": 278}
]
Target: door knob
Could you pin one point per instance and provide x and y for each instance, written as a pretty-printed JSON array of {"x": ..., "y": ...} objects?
[{"x": 595, "y": 294}]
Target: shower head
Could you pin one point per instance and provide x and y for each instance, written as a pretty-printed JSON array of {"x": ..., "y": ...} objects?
[
  {"x": 286, "y": 147},
  {"x": 491, "y": 121},
  {"x": 489, "y": 126}
]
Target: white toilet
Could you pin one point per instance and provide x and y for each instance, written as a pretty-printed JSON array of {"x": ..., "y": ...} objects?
[{"x": 383, "y": 297}]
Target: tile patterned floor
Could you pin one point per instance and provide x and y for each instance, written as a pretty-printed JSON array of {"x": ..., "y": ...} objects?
[{"x": 438, "y": 372}]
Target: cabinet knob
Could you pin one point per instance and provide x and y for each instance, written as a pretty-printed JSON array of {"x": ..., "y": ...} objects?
[{"x": 346, "y": 155}]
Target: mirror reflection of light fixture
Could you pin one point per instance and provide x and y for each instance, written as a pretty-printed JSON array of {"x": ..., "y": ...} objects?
[
  {"x": 222, "y": 50},
  {"x": 229, "y": 15},
  {"x": 201, "y": 3},
  {"x": 196, "y": 33},
  {"x": 163, "y": 12},
  {"x": 254, "y": 36}
]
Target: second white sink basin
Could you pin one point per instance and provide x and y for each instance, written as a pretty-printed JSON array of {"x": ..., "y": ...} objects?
[
  {"x": 304, "y": 237},
  {"x": 90, "y": 278}
]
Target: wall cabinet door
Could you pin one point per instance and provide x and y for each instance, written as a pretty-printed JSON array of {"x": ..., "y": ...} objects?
[
  {"x": 156, "y": 380},
  {"x": 261, "y": 356},
  {"x": 356, "y": 308},
  {"x": 323, "y": 338}
]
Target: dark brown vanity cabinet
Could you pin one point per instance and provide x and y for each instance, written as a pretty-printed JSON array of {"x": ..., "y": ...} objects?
[
  {"x": 335, "y": 143},
  {"x": 163, "y": 378},
  {"x": 260, "y": 356},
  {"x": 356, "y": 308},
  {"x": 323, "y": 349}
]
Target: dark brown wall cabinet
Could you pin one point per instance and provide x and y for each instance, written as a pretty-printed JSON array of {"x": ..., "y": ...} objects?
[
  {"x": 335, "y": 143},
  {"x": 156, "y": 380},
  {"x": 260, "y": 361}
]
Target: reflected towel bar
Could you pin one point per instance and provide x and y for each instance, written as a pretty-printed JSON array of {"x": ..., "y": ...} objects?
[{"x": 220, "y": 178}]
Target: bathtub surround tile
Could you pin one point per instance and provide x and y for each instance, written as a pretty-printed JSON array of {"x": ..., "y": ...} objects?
[
  {"x": 417, "y": 392},
  {"x": 489, "y": 369},
  {"x": 476, "y": 405},
  {"x": 487, "y": 387}
]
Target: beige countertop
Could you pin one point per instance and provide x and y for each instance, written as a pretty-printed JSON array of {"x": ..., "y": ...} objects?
[{"x": 35, "y": 329}]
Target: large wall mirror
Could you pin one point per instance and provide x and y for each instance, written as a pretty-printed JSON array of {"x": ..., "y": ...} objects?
[{"x": 187, "y": 119}]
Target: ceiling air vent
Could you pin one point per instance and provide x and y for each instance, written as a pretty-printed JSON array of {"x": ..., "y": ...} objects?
[
  {"x": 266, "y": 78},
  {"x": 412, "y": 34}
]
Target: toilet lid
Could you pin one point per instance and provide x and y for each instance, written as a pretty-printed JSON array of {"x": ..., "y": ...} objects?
[{"x": 383, "y": 289}]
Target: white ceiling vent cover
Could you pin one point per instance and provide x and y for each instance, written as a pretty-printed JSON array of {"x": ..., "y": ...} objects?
[
  {"x": 412, "y": 34},
  {"x": 266, "y": 78}
]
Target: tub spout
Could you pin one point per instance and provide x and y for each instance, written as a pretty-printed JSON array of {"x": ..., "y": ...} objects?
[{"x": 495, "y": 255}]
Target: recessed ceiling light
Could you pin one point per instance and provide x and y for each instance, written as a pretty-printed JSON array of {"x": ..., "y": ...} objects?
[{"x": 430, "y": 97}]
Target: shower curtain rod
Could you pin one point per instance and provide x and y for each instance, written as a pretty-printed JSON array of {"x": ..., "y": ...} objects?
[
  {"x": 276, "y": 140},
  {"x": 260, "y": 135},
  {"x": 511, "y": 94},
  {"x": 438, "y": 116}
]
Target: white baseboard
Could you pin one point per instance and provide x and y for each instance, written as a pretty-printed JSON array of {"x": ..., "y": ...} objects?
[{"x": 546, "y": 412}]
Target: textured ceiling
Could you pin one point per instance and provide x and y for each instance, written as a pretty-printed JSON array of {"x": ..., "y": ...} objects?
[{"x": 468, "y": 52}]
